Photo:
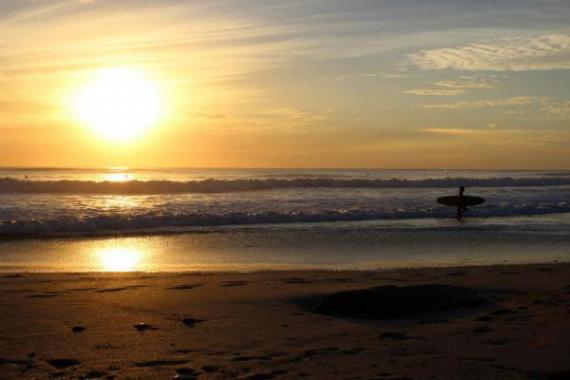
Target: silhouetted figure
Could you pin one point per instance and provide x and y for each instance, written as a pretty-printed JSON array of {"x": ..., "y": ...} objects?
[
  {"x": 461, "y": 206},
  {"x": 460, "y": 202}
]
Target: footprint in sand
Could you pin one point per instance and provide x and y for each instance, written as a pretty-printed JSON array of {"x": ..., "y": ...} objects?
[
  {"x": 186, "y": 373},
  {"x": 210, "y": 369},
  {"x": 192, "y": 322},
  {"x": 510, "y": 272},
  {"x": 78, "y": 329},
  {"x": 160, "y": 363},
  {"x": 261, "y": 376},
  {"x": 142, "y": 327},
  {"x": 296, "y": 280},
  {"x": 481, "y": 329},
  {"x": 94, "y": 374},
  {"x": 12, "y": 276},
  {"x": 497, "y": 342},
  {"x": 248, "y": 358},
  {"x": 503, "y": 312},
  {"x": 338, "y": 280},
  {"x": 81, "y": 289},
  {"x": 44, "y": 295},
  {"x": 185, "y": 287},
  {"x": 110, "y": 290},
  {"x": 456, "y": 273},
  {"x": 352, "y": 351},
  {"x": 560, "y": 375},
  {"x": 18, "y": 291},
  {"x": 318, "y": 351},
  {"x": 394, "y": 335},
  {"x": 234, "y": 283},
  {"x": 17, "y": 362},
  {"x": 63, "y": 363}
]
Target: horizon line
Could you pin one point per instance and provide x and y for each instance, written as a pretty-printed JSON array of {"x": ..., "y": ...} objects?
[{"x": 126, "y": 168}]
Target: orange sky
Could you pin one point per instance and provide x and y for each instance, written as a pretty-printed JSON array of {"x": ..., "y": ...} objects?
[{"x": 267, "y": 84}]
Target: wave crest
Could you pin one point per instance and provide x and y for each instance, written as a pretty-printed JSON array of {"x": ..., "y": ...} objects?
[{"x": 11, "y": 185}]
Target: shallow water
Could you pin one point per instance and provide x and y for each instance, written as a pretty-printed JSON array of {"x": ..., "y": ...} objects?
[{"x": 361, "y": 246}]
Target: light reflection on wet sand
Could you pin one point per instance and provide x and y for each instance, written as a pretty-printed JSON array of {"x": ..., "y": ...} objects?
[
  {"x": 246, "y": 250},
  {"x": 120, "y": 259}
]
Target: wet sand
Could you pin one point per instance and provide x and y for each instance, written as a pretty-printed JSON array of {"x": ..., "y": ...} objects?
[{"x": 264, "y": 326}]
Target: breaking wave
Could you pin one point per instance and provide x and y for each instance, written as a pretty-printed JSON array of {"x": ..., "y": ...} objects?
[
  {"x": 11, "y": 185},
  {"x": 153, "y": 222}
]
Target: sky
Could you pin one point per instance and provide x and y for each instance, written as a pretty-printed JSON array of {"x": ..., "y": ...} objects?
[{"x": 313, "y": 83}]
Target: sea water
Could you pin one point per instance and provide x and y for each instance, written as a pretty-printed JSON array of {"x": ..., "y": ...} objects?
[{"x": 184, "y": 219}]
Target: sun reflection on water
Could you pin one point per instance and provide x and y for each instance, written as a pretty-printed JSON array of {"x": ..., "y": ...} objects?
[
  {"x": 120, "y": 259},
  {"x": 117, "y": 177}
]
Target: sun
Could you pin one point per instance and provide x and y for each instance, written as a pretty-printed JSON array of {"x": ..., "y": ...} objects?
[{"x": 119, "y": 104}]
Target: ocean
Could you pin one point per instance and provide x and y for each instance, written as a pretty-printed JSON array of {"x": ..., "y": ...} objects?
[{"x": 200, "y": 219}]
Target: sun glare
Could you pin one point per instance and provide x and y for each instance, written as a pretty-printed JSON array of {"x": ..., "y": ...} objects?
[{"x": 120, "y": 104}]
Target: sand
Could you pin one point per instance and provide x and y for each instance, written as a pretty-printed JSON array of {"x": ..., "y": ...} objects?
[{"x": 263, "y": 326}]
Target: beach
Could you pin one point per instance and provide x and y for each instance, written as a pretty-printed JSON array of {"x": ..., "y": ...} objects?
[{"x": 264, "y": 325}]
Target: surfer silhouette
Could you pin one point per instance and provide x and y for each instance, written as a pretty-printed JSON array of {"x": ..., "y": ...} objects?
[{"x": 460, "y": 202}]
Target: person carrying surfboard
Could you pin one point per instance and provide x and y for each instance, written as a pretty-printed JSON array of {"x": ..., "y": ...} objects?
[{"x": 460, "y": 202}]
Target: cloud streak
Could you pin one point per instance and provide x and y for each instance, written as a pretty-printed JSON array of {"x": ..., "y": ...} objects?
[
  {"x": 557, "y": 110},
  {"x": 502, "y": 137},
  {"x": 465, "y": 85},
  {"x": 545, "y": 52},
  {"x": 451, "y": 88},
  {"x": 434, "y": 92},
  {"x": 453, "y": 131},
  {"x": 476, "y": 104}
]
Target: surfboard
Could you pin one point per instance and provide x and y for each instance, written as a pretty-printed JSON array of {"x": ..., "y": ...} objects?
[{"x": 456, "y": 201}]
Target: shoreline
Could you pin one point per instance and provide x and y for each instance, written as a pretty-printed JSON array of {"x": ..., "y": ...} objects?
[
  {"x": 263, "y": 325},
  {"x": 238, "y": 250}
]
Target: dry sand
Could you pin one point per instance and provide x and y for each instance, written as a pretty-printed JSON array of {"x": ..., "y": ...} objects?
[{"x": 262, "y": 326}]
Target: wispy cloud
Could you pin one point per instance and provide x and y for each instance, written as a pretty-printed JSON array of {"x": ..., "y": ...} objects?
[
  {"x": 455, "y": 131},
  {"x": 282, "y": 118},
  {"x": 291, "y": 114},
  {"x": 546, "y": 52},
  {"x": 153, "y": 35},
  {"x": 493, "y": 136},
  {"x": 340, "y": 78},
  {"x": 475, "y": 104},
  {"x": 207, "y": 115},
  {"x": 465, "y": 84},
  {"x": 451, "y": 87},
  {"x": 434, "y": 92},
  {"x": 376, "y": 74},
  {"x": 557, "y": 110}
]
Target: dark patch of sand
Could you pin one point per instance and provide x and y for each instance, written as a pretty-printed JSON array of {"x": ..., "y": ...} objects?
[{"x": 392, "y": 302}]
